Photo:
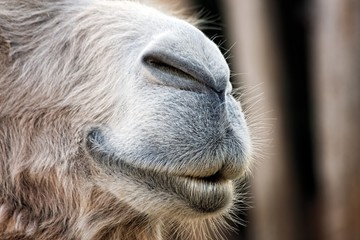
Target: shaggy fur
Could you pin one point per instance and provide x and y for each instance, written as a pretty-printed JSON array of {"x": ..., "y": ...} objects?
[{"x": 116, "y": 122}]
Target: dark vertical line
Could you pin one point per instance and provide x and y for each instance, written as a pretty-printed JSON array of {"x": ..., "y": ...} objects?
[{"x": 294, "y": 29}]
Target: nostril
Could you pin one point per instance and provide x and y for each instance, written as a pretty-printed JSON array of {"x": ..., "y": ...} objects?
[
  {"x": 179, "y": 72},
  {"x": 166, "y": 67}
]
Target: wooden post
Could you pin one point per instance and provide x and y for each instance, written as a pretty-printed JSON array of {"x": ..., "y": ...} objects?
[
  {"x": 337, "y": 96},
  {"x": 258, "y": 57}
]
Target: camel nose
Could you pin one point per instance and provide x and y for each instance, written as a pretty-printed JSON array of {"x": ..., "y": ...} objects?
[{"x": 187, "y": 60}]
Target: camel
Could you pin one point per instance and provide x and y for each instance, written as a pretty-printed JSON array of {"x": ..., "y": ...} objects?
[{"x": 117, "y": 121}]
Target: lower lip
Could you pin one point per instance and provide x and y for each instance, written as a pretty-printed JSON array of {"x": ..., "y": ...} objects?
[{"x": 205, "y": 196}]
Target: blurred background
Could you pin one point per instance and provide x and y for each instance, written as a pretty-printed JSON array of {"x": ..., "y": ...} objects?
[{"x": 299, "y": 65}]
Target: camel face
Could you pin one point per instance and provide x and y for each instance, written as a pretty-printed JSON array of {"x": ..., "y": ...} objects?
[
  {"x": 182, "y": 136},
  {"x": 113, "y": 113}
]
